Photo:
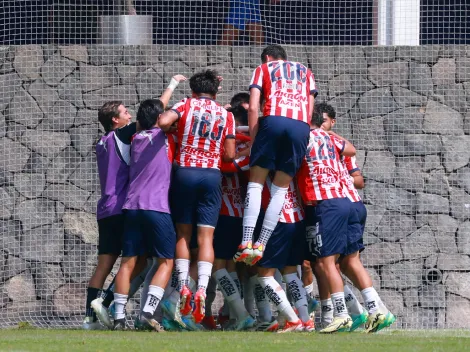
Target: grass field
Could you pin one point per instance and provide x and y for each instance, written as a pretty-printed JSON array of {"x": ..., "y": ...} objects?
[{"x": 73, "y": 340}]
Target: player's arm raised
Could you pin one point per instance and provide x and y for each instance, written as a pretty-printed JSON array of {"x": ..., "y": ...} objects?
[
  {"x": 167, "y": 119},
  {"x": 175, "y": 80}
]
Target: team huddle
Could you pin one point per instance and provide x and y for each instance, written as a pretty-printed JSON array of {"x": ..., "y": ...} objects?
[{"x": 202, "y": 196}]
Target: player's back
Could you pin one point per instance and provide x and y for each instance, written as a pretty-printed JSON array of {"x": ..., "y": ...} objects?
[{"x": 202, "y": 129}]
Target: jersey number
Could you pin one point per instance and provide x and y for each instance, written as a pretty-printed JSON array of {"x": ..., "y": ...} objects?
[
  {"x": 290, "y": 71},
  {"x": 322, "y": 152},
  {"x": 202, "y": 125}
]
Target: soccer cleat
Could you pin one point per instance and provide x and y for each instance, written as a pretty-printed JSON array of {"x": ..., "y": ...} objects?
[
  {"x": 148, "y": 323},
  {"x": 190, "y": 324},
  {"x": 222, "y": 319},
  {"x": 258, "y": 251},
  {"x": 339, "y": 324},
  {"x": 246, "y": 323},
  {"x": 170, "y": 325},
  {"x": 312, "y": 305},
  {"x": 389, "y": 320},
  {"x": 309, "y": 326},
  {"x": 172, "y": 313},
  {"x": 244, "y": 253},
  {"x": 200, "y": 306},
  {"x": 373, "y": 322},
  {"x": 120, "y": 325},
  {"x": 102, "y": 312},
  {"x": 185, "y": 307},
  {"x": 89, "y": 324},
  {"x": 270, "y": 326},
  {"x": 230, "y": 325},
  {"x": 209, "y": 323},
  {"x": 358, "y": 320},
  {"x": 292, "y": 327}
]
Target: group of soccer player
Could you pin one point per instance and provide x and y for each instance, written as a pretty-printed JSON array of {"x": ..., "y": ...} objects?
[{"x": 202, "y": 196}]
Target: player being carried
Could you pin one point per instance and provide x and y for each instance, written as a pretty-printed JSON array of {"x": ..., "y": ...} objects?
[{"x": 279, "y": 138}]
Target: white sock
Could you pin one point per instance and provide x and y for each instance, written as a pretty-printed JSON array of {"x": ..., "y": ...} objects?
[
  {"x": 371, "y": 299},
  {"x": 326, "y": 311},
  {"x": 271, "y": 218},
  {"x": 192, "y": 284},
  {"x": 120, "y": 302},
  {"x": 230, "y": 292},
  {"x": 262, "y": 303},
  {"x": 309, "y": 289},
  {"x": 249, "y": 295},
  {"x": 155, "y": 295},
  {"x": 277, "y": 295},
  {"x": 251, "y": 210},
  {"x": 298, "y": 295},
  {"x": 182, "y": 268},
  {"x": 354, "y": 307},
  {"x": 204, "y": 271},
  {"x": 235, "y": 279},
  {"x": 147, "y": 281},
  {"x": 339, "y": 305}
]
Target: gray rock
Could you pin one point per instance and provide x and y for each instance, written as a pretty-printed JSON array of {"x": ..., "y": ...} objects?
[
  {"x": 20, "y": 288},
  {"x": 381, "y": 253},
  {"x": 46, "y": 143},
  {"x": 350, "y": 59},
  {"x": 70, "y": 195},
  {"x": 170, "y": 52},
  {"x": 343, "y": 127},
  {"x": 82, "y": 225},
  {"x": 10, "y": 231},
  {"x": 15, "y": 130},
  {"x": 339, "y": 85},
  {"x": 194, "y": 56},
  {"x": 12, "y": 266},
  {"x": 44, "y": 243},
  {"x": 427, "y": 54},
  {"x": 30, "y": 185},
  {"x": 16, "y": 157},
  {"x": 466, "y": 123},
  {"x": 28, "y": 61},
  {"x": 149, "y": 84},
  {"x": 63, "y": 165},
  {"x": 405, "y": 97},
  {"x": 390, "y": 73},
  {"x": 463, "y": 238},
  {"x": 90, "y": 205},
  {"x": 47, "y": 279},
  {"x": 35, "y": 212},
  {"x": 374, "y": 216},
  {"x": 454, "y": 97},
  {"x": 419, "y": 318},
  {"x": 344, "y": 103},
  {"x": 452, "y": 50},
  {"x": 374, "y": 275},
  {"x": 443, "y": 72},
  {"x": 466, "y": 86},
  {"x": 413, "y": 144},
  {"x": 459, "y": 204},
  {"x": 409, "y": 174},
  {"x": 132, "y": 55},
  {"x": 377, "y": 102},
  {"x": 217, "y": 54},
  {"x": 419, "y": 244},
  {"x": 420, "y": 79},
  {"x": 70, "y": 89},
  {"x": 379, "y": 54},
  {"x": 446, "y": 242},
  {"x": 82, "y": 253},
  {"x": 7, "y": 67},
  {"x": 60, "y": 118},
  {"x": 394, "y": 301},
  {"x": 393, "y": 198},
  {"x": 241, "y": 79},
  {"x": 457, "y": 307},
  {"x": 68, "y": 300},
  {"x": 97, "y": 77},
  {"x": 410, "y": 297},
  {"x": 100, "y": 54},
  {"x": 127, "y": 73},
  {"x": 437, "y": 183},
  {"x": 150, "y": 54},
  {"x": 84, "y": 138},
  {"x": 7, "y": 204},
  {"x": 56, "y": 69},
  {"x": 394, "y": 226},
  {"x": 126, "y": 93},
  {"x": 74, "y": 52},
  {"x": 44, "y": 95},
  {"x": 369, "y": 134},
  {"x": 431, "y": 203},
  {"x": 360, "y": 84},
  {"x": 320, "y": 61},
  {"x": 297, "y": 53},
  {"x": 49, "y": 50},
  {"x": 379, "y": 166},
  {"x": 403, "y": 275},
  {"x": 457, "y": 283},
  {"x": 24, "y": 110},
  {"x": 453, "y": 262},
  {"x": 435, "y": 123},
  {"x": 455, "y": 151},
  {"x": 360, "y": 158},
  {"x": 36, "y": 163},
  {"x": 432, "y": 162},
  {"x": 85, "y": 175},
  {"x": 86, "y": 117},
  {"x": 176, "y": 67},
  {"x": 3, "y": 126}
]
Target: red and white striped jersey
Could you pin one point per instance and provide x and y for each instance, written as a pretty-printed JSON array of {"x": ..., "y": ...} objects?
[
  {"x": 319, "y": 174},
  {"x": 348, "y": 165},
  {"x": 203, "y": 126},
  {"x": 292, "y": 210},
  {"x": 286, "y": 87},
  {"x": 234, "y": 184}
]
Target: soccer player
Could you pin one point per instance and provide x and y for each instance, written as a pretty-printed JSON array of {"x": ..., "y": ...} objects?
[
  {"x": 148, "y": 225},
  {"x": 240, "y": 99},
  {"x": 327, "y": 212},
  {"x": 351, "y": 178},
  {"x": 206, "y": 136},
  {"x": 279, "y": 138}
]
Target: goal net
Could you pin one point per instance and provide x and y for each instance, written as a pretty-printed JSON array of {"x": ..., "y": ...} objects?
[{"x": 397, "y": 72}]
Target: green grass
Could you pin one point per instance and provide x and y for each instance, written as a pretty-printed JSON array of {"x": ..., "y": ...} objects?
[{"x": 72, "y": 340}]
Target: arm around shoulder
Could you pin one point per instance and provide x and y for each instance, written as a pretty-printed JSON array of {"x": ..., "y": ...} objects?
[{"x": 167, "y": 119}]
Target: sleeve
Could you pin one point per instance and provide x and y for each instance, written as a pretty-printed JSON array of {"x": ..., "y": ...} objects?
[
  {"x": 312, "y": 86},
  {"x": 339, "y": 144},
  {"x": 180, "y": 107},
  {"x": 229, "y": 131},
  {"x": 257, "y": 79},
  {"x": 126, "y": 133},
  {"x": 351, "y": 164},
  {"x": 171, "y": 148}
]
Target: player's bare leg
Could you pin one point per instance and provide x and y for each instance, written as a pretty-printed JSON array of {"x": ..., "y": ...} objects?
[{"x": 229, "y": 35}]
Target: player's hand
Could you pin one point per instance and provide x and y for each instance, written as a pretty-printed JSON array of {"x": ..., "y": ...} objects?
[
  {"x": 220, "y": 78},
  {"x": 227, "y": 106},
  {"x": 179, "y": 78},
  {"x": 132, "y": 11}
]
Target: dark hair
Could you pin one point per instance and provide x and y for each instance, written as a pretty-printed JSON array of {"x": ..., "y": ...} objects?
[
  {"x": 205, "y": 82},
  {"x": 275, "y": 51},
  {"x": 106, "y": 113},
  {"x": 240, "y": 114},
  {"x": 240, "y": 98},
  {"x": 325, "y": 108},
  {"x": 149, "y": 111}
]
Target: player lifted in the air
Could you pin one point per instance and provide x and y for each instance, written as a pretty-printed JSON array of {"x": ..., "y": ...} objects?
[
  {"x": 206, "y": 136},
  {"x": 280, "y": 140}
]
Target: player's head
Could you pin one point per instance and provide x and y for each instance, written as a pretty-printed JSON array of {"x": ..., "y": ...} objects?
[
  {"x": 273, "y": 52},
  {"x": 328, "y": 113},
  {"x": 205, "y": 83},
  {"x": 240, "y": 114},
  {"x": 149, "y": 111},
  {"x": 113, "y": 115},
  {"x": 242, "y": 99}
]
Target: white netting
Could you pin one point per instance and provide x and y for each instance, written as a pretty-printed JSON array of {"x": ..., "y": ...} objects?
[{"x": 406, "y": 109}]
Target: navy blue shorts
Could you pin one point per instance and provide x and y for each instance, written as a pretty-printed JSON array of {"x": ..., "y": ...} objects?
[
  {"x": 196, "y": 196},
  {"x": 280, "y": 144},
  {"x": 285, "y": 247},
  {"x": 149, "y": 232},
  {"x": 227, "y": 236},
  {"x": 110, "y": 234},
  {"x": 327, "y": 227},
  {"x": 356, "y": 225}
]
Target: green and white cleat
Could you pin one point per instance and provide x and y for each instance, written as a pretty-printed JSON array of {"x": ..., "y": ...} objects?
[
  {"x": 389, "y": 320},
  {"x": 358, "y": 320},
  {"x": 374, "y": 321},
  {"x": 339, "y": 324},
  {"x": 190, "y": 324},
  {"x": 170, "y": 325},
  {"x": 102, "y": 313},
  {"x": 148, "y": 323},
  {"x": 89, "y": 324},
  {"x": 172, "y": 312},
  {"x": 245, "y": 324}
]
